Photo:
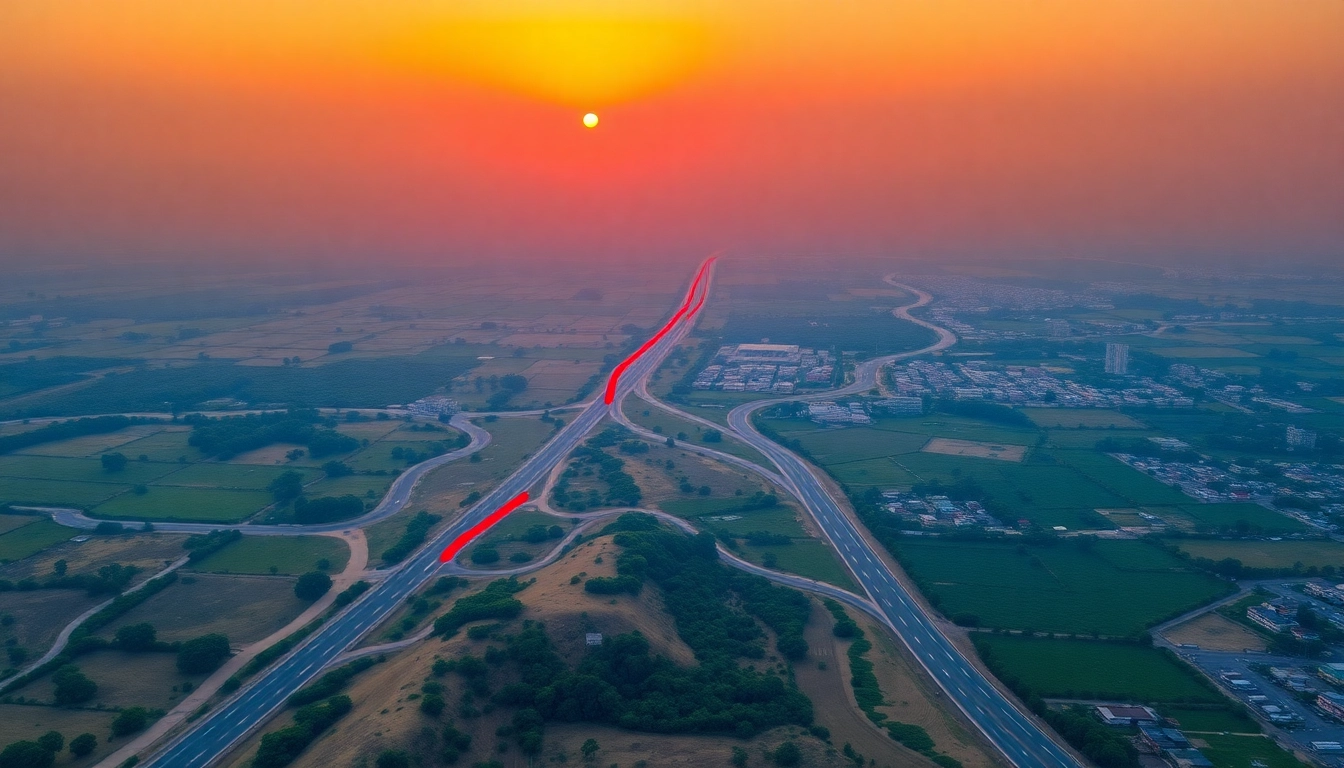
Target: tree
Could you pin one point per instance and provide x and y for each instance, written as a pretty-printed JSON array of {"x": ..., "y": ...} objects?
[
  {"x": 432, "y": 704},
  {"x": 311, "y": 586},
  {"x": 136, "y": 637},
  {"x": 589, "y": 749},
  {"x": 513, "y": 383},
  {"x": 788, "y": 754},
  {"x": 203, "y": 655},
  {"x": 131, "y": 720},
  {"x": 72, "y": 687},
  {"x": 287, "y": 487},
  {"x": 712, "y": 436},
  {"x": 739, "y": 758},
  {"x": 26, "y": 754},
  {"x": 52, "y": 741},
  {"x": 113, "y": 462},
  {"x": 83, "y": 744}
]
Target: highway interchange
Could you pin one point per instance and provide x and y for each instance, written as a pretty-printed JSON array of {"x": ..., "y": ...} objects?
[{"x": 1021, "y": 739}]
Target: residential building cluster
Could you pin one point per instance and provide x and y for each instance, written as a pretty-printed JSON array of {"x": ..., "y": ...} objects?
[
  {"x": 1025, "y": 385},
  {"x": 831, "y": 413},
  {"x": 1279, "y": 616},
  {"x": 1217, "y": 386},
  {"x": 1208, "y": 482},
  {"x": 778, "y": 368},
  {"x": 938, "y": 511},
  {"x": 434, "y": 406}
]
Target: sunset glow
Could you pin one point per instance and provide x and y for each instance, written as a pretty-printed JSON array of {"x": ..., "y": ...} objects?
[{"x": 262, "y": 128}]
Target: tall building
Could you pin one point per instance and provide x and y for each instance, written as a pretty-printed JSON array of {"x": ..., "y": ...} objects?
[
  {"x": 1117, "y": 358},
  {"x": 1300, "y": 438}
]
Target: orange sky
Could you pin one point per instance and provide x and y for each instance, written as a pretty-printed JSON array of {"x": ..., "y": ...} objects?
[{"x": 424, "y": 131}]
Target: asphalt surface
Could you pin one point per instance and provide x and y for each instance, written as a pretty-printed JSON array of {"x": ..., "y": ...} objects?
[
  {"x": 1015, "y": 734},
  {"x": 217, "y": 732}
]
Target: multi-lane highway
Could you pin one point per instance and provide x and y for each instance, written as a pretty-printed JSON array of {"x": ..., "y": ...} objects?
[
  {"x": 1019, "y": 737},
  {"x": 217, "y": 732}
]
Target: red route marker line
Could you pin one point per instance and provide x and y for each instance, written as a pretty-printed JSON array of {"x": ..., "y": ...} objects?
[
  {"x": 476, "y": 530},
  {"x": 612, "y": 382}
]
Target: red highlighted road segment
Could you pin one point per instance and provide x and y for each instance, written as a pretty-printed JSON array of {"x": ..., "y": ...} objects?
[
  {"x": 476, "y": 530},
  {"x": 646, "y": 346}
]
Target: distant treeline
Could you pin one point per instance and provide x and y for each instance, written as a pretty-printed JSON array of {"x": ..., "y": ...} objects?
[
  {"x": 226, "y": 437},
  {"x": 64, "y": 430}
]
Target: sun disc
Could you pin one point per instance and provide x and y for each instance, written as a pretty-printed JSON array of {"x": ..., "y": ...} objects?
[{"x": 590, "y": 120}]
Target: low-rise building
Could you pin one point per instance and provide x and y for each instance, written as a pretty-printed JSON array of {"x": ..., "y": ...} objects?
[
  {"x": 1331, "y": 704},
  {"x": 1125, "y": 715},
  {"x": 1332, "y": 673},
  {"x": 1270, "y": 619}
]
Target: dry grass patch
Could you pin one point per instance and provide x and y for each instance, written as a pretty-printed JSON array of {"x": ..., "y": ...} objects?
[
  {"x": 146, "y": 551},
  {"x": 951, "y": 447},
  {"x": 20, "y": 722},
  {"x": 125, "y": 680},
  {"x": 1212, "y": 632},
  {"x": 243, "y": 608},
  {"x": 40, "y": 615}
]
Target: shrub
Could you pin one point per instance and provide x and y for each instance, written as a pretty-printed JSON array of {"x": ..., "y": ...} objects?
[
  {"x": 312, "y": 585},
  {"x": 72, "y": 687},
  {"x": 787, "y": 754},
  {"x": 52, "y": 741},
  {"x": 83, "y": 744},
  {"x": 27, "y": 754},
  {"x": 131, "y": 720},
  {"x": 202, "y": 655}
]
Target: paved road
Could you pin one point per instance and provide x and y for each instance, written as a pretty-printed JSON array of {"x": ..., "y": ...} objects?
[
  {"x": 214, "y": 734},
  {"x": 1015, "y": 734}
]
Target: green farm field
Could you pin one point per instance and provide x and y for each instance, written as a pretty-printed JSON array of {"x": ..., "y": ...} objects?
[
  {"x": 1084, "y": 669},
  {"x": 288, "y": 555},
  {"x": 32, "y": 538},
  {"x": 810, "y": 558},
  {"x": 184, "y": 504},
  {"x": 1086, "y": 418},
  {"x": 1117, "y": 588}
]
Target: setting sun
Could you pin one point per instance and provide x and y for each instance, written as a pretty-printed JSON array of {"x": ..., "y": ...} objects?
[{"x": 590, "y": 120}]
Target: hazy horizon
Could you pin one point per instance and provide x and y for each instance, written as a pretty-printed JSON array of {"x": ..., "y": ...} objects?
[{"x": 412, "y": 134}]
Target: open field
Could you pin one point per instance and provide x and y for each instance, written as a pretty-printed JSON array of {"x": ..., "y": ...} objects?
[
  {"x": 287, "y": 555},
  {"x": 1215, "y": 632},
  {"x": 1269, "y": 554},
  {"x": 1243, "y": 750},
  {"x": 40, "y": 615},
  {"x": 147, "y": 551},
  {"x": 1081, "y": 418},
  {"x": 185, "y": 505},
  {"x": 1214, "y": 516},
  {"x": 32, "y": 538},
  {"x": 811, "y": 558},
  {"x": 92, "y": 445},
  {"x": 1084, "y": 669},
  {"x": 243, "y": 608},
  {"x": 124, "y": 680},
  {"x": 665, "y": 423},
  {"x": 10, "y": 522},
  {"x": 950, "y": 447},
  {"x": 1116, "y": 589},
  {"x": 19, "y": 722}
]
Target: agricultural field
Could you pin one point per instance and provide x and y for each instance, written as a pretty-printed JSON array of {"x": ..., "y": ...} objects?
[
  {"x": 243, "y": 608},
  {"x": 124, "y": 679},
  {"x": 1114, "y": 588},
  {"x": 1269, "y": 554},
  {"x": 39, "y": 616},
  {"x": 147, "y": 551},
  {"x": 810, "y": 558},
  {"x": 1087, "y": 669},
  {"x": 1237, "y": 750},
  {"x": 23, "y": 721},
  {"x": 285, "y": 555},
  {"x": 1215, "y": 516},
  {"x": 31, "y": 538},
  {"x": 665, "y": 423}
]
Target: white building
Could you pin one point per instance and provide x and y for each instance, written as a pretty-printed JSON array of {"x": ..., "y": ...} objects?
[{"x": 1117, "y": 358}]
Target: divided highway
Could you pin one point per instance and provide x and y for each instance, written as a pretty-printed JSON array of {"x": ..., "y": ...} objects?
[{"x": 217, "y": 732}]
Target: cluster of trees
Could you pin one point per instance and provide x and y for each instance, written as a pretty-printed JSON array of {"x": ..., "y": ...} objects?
[
  {"x": 202, "y": 546},
  {"x": 203, "y": 655},
  {"x": 538, "y": 533},
  {"x": 590, "y": 457},
  {"x": 431, "y": 449},
  {"x": 229, "y": 436},
  {"x": 282, "y": 747},
  {"x": 621, "y": 683},
  {"x": 41, "y": 753},
  {"x": 979, "y": 409},
  {"x": 64, "y": 430},
  {"x": 416, "y": 530},
  {"x": 509, "y": 385},
  {"x": 1138, "y": 446},
  {"x": 496, "y": 601},
  {"x": 327, "y": 509}
]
